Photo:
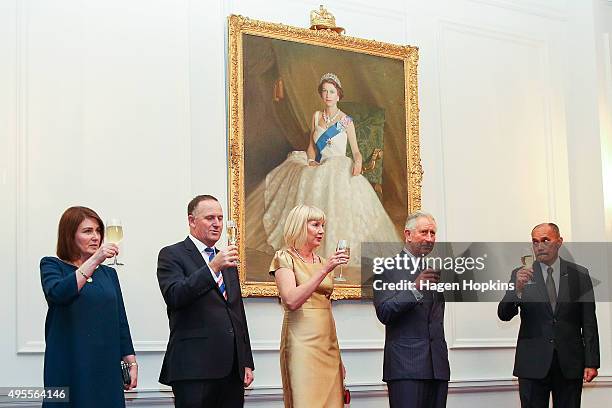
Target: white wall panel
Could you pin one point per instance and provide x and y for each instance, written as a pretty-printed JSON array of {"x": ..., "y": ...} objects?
[
  {"x": 104, "y": 127},
  {"x": 496, "y": 136}
]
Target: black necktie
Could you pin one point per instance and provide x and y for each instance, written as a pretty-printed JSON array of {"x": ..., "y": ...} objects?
[{"x": 551, "y": 288}]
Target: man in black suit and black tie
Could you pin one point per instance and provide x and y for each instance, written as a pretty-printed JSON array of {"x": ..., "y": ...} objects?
[
  {"x": 208, "y": 360},
  {"x": 558, "y": 341},
  {"x": 416, "y": 367}
]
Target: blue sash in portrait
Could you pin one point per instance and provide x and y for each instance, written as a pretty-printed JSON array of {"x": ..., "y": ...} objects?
[{"x": 326, "y": 137}]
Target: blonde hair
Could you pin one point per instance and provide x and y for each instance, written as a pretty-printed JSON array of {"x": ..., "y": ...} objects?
[{"x": 296, "y": 224}]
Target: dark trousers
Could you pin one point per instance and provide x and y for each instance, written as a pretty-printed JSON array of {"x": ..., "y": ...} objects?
[
  {"x": 227, "y": 392},
  {"x": 566, "y": 392},
  {"x": 417, "y": 393}
]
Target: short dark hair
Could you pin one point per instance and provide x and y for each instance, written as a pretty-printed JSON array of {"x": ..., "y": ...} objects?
[
  {"x": 334, "y": 83},
  {"x": 552, "y": 225},
  {"x": 196, "y": 200},
  {"x": 68, "y": 225}
]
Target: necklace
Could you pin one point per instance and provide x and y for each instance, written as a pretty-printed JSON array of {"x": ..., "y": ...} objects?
[
  {"x": 327, "y": 119},
  {"x": 300, "y": 256}
]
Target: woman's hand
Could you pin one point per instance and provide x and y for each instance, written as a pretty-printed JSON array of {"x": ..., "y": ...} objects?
[
  {"x": 313, "y": 163},
  {"x": 106, "y": 250},
  {"x": 357, "y": 168},
  {"x": 339, "y": 258},
  {"x": 133, "y": 378}
]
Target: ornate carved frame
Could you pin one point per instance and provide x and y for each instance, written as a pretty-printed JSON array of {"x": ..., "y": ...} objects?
[{"x": 239, "y": 25}]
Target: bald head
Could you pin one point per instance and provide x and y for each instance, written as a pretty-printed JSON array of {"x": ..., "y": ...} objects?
[{"x": 552, "y": 225}]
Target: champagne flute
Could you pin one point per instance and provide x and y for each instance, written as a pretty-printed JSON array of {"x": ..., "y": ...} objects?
[
  {"x": 232, "y": 234},
  {"x": 527, "y": 261},
  {"x": 114, "y": 235},
  {"x": 343, "y": 245}
]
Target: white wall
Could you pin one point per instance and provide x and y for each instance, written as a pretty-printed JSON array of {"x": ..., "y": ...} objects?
[
  {"x": 121, "y": 106},
  {"x": 603, "y": 46}
]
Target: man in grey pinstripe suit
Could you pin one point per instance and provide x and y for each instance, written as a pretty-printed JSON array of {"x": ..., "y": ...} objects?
[{"x": 415, "y": 366}]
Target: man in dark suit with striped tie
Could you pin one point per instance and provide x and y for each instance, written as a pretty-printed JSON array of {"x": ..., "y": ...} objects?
[
  {"x": 208, "y": 361},
  {"x": 558, "y": 341},
  {"x": 416, "y": 367}
]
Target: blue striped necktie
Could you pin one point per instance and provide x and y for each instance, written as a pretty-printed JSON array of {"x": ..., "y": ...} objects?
[{"x": 218, "y": 275}]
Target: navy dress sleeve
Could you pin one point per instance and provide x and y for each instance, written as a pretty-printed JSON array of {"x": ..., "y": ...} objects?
[
  {"x": 59, "y": 288},
  {"x": 125, "y": 338}
]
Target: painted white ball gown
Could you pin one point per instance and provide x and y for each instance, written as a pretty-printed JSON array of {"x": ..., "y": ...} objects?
[{"x": 352, "y": 208}]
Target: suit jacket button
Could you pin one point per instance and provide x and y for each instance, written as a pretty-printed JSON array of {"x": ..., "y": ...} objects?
[
  {"x": 551, "y": 341},
  {"x": 230, "y": 331},
  {"x": 554, "y": 320}
]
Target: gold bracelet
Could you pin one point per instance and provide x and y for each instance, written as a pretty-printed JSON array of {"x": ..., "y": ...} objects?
[
  {"x": 132, "y": 364},
  {"x": 89, "y": 279}
]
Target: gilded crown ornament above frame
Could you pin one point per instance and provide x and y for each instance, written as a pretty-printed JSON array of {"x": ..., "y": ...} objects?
[
  {"x": 254, "y": 44},
  {"x": 322, "y": 19}
]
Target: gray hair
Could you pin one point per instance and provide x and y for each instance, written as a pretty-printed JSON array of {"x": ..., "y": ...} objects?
[
  {"x": 413, "y": 217},
  {"x": 552, "y": 225}
]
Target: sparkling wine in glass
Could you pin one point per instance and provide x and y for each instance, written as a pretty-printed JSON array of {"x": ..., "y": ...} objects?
[
  {"x": 114, "y": 235},
  {"x": 343, "y": 245},
  {"x": 232, "y": 234}
]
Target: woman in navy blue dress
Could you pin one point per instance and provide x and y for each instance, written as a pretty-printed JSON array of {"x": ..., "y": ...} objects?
[{"x": 86, "y": 330}]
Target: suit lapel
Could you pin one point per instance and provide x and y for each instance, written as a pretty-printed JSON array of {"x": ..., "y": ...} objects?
[
  {"x": 197, "y": 257},
  {"x": 428, "y": 295},
  {"x": 564, "y": 287},
  {"x": 194, "y": 254}
]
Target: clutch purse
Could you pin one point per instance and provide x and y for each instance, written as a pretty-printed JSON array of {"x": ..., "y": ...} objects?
[
  {"x": 125, "y": 373},
  {"x": 347, "y": 396}
]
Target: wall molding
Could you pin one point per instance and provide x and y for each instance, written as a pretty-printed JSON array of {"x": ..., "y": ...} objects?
[
  {"x": 164, "y": 396},
  {"x": 159, "y": 346},
  {"x": 542, "y": 48},
  {"x": 492, "y": 32},
  {"x": 29, "y": 339},
  {"x": 22, "y": 142},
  {"x": 495, "y": 33},
  {"x": 457, "y": 343},
  {"x": 528, "y": 7},
  {"x": 358, "y": 7},
  {"x": 444, "y": 27},
  {"x": 473, "y": 343}
]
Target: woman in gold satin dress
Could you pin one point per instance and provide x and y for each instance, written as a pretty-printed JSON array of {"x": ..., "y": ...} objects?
[{"x": 311, "y": 368}]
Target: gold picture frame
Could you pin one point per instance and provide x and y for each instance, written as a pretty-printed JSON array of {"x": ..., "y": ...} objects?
[{"x": 250, "y": 62}]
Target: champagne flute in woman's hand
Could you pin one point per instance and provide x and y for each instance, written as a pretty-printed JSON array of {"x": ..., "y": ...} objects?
[
  {"x": 114, "y": 235},
  {"x": 343, "y": 245}
]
